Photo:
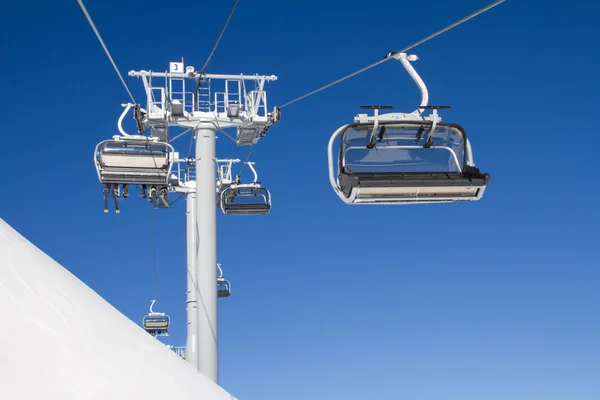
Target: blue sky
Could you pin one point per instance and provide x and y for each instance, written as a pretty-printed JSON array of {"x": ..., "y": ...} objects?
[{"x": 494, "y": 299}]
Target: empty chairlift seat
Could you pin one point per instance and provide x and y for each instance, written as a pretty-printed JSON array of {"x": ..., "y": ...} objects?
[
  {"x": 403, "y": 162},
  {"x": 134, "y": 160},
  {"x": 223, "y": 287},
  {"x": 155, "y": 323},
  {"x": 245, "y": 199}
]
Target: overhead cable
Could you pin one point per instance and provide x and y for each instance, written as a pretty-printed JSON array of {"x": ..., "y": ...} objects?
[
  {"x": 219, "y": 38},
  {"x": 89, "y": 18},
  {"x": 213, "y": 50},
  {"x": 390, "y": 55}
]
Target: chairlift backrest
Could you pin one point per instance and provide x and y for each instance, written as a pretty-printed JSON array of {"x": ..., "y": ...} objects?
[
  {"x": 135, "y": 161},
  {"x": 399, "y": 149}
]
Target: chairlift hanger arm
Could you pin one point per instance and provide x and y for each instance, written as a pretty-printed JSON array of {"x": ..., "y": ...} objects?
[
  {"x": 251, "y": 165},
  {"x": 375, "y": 124},
  {"x": 405, "y": 60},
  {"x": 120, "y": 122}
]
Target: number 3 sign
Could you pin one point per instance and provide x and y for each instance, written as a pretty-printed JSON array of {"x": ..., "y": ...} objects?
[{"x": 176, "y": 67}]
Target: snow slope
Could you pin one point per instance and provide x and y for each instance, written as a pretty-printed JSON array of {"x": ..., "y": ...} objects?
[{"x": 61, "y": 340}]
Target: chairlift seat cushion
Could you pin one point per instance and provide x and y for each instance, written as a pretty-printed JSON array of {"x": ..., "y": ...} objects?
[
  {"x": 384, "y": 187},
  {"x": 145, "y": 161},
  {"x": 247, "y": 208},
  {"x": 412, "y": 179}
]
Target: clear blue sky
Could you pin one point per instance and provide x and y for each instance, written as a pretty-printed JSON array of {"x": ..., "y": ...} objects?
[{"x": 496, "y": 299}]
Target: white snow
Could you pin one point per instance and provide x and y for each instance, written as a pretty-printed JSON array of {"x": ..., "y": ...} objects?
[{"x": 61, "y": 340}]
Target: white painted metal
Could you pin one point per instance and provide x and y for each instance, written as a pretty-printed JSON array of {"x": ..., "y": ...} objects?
[
  {"x": 251, "y": 165},
  {"x": 120, "y": 122},
  {"x": 191, "y": 347},
  {"x": 206, "y": 256},
  {"x": 405, "y": 60},
  {"x": 412, "y": 116},
  {"x": 225, "y": 174},
  {"x": 235, "y": 106},
  {"x": 171, "y": 103}
]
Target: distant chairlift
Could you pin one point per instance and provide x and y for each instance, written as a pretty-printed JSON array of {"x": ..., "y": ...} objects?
[
  {"x": 135, "y": 159},
  {"x": 245, "y": 198},
  {"x": 156, "y": 324},
  {"x": 403, "y": 158},
  {"x": 223, "y": 285}
]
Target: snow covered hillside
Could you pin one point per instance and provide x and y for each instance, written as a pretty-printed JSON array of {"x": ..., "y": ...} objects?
[{"x": 61, "y": 340}]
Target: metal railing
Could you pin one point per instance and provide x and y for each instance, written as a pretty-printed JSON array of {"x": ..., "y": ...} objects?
[
  {"x": 179, "y": 350},
  {"x": 185, "y": 171}
]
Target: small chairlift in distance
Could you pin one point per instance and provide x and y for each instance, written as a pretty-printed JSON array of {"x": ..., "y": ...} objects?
[
  {"x": 156, "y": 324},
  {"x": 134, "y": 160},
  {"x": 404, "y": 158},
  {"x": 238, "y": 198},
  {"x": 223, "y": 285}
]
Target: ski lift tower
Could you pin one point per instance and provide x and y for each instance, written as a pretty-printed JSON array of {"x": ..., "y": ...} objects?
[{"x": 183, "y": 98}]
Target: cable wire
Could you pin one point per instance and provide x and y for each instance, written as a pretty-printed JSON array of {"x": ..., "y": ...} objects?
[
  {"x": 247, "y": 158},
  {"x": 213, "y": 52},
  {"x": 390, "y": 55},
  {"x": 465, "y": 19},
  {"x": 154, "y": 251},
  {"x": 219, "y": 38},
  {"x": 89, "y": 18}
]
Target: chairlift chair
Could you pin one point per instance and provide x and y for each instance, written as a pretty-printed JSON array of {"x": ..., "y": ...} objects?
[
  {"x": 245, "y": 198},
  {"x": 404, "y": 158},
  {"x": 156, "y": 324},
  {"x": 223, "y": 285},
  {"x": 134, "y": 159}
]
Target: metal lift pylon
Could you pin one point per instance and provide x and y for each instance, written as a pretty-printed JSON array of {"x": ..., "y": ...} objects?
[{"x": 171, "y": 104}]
